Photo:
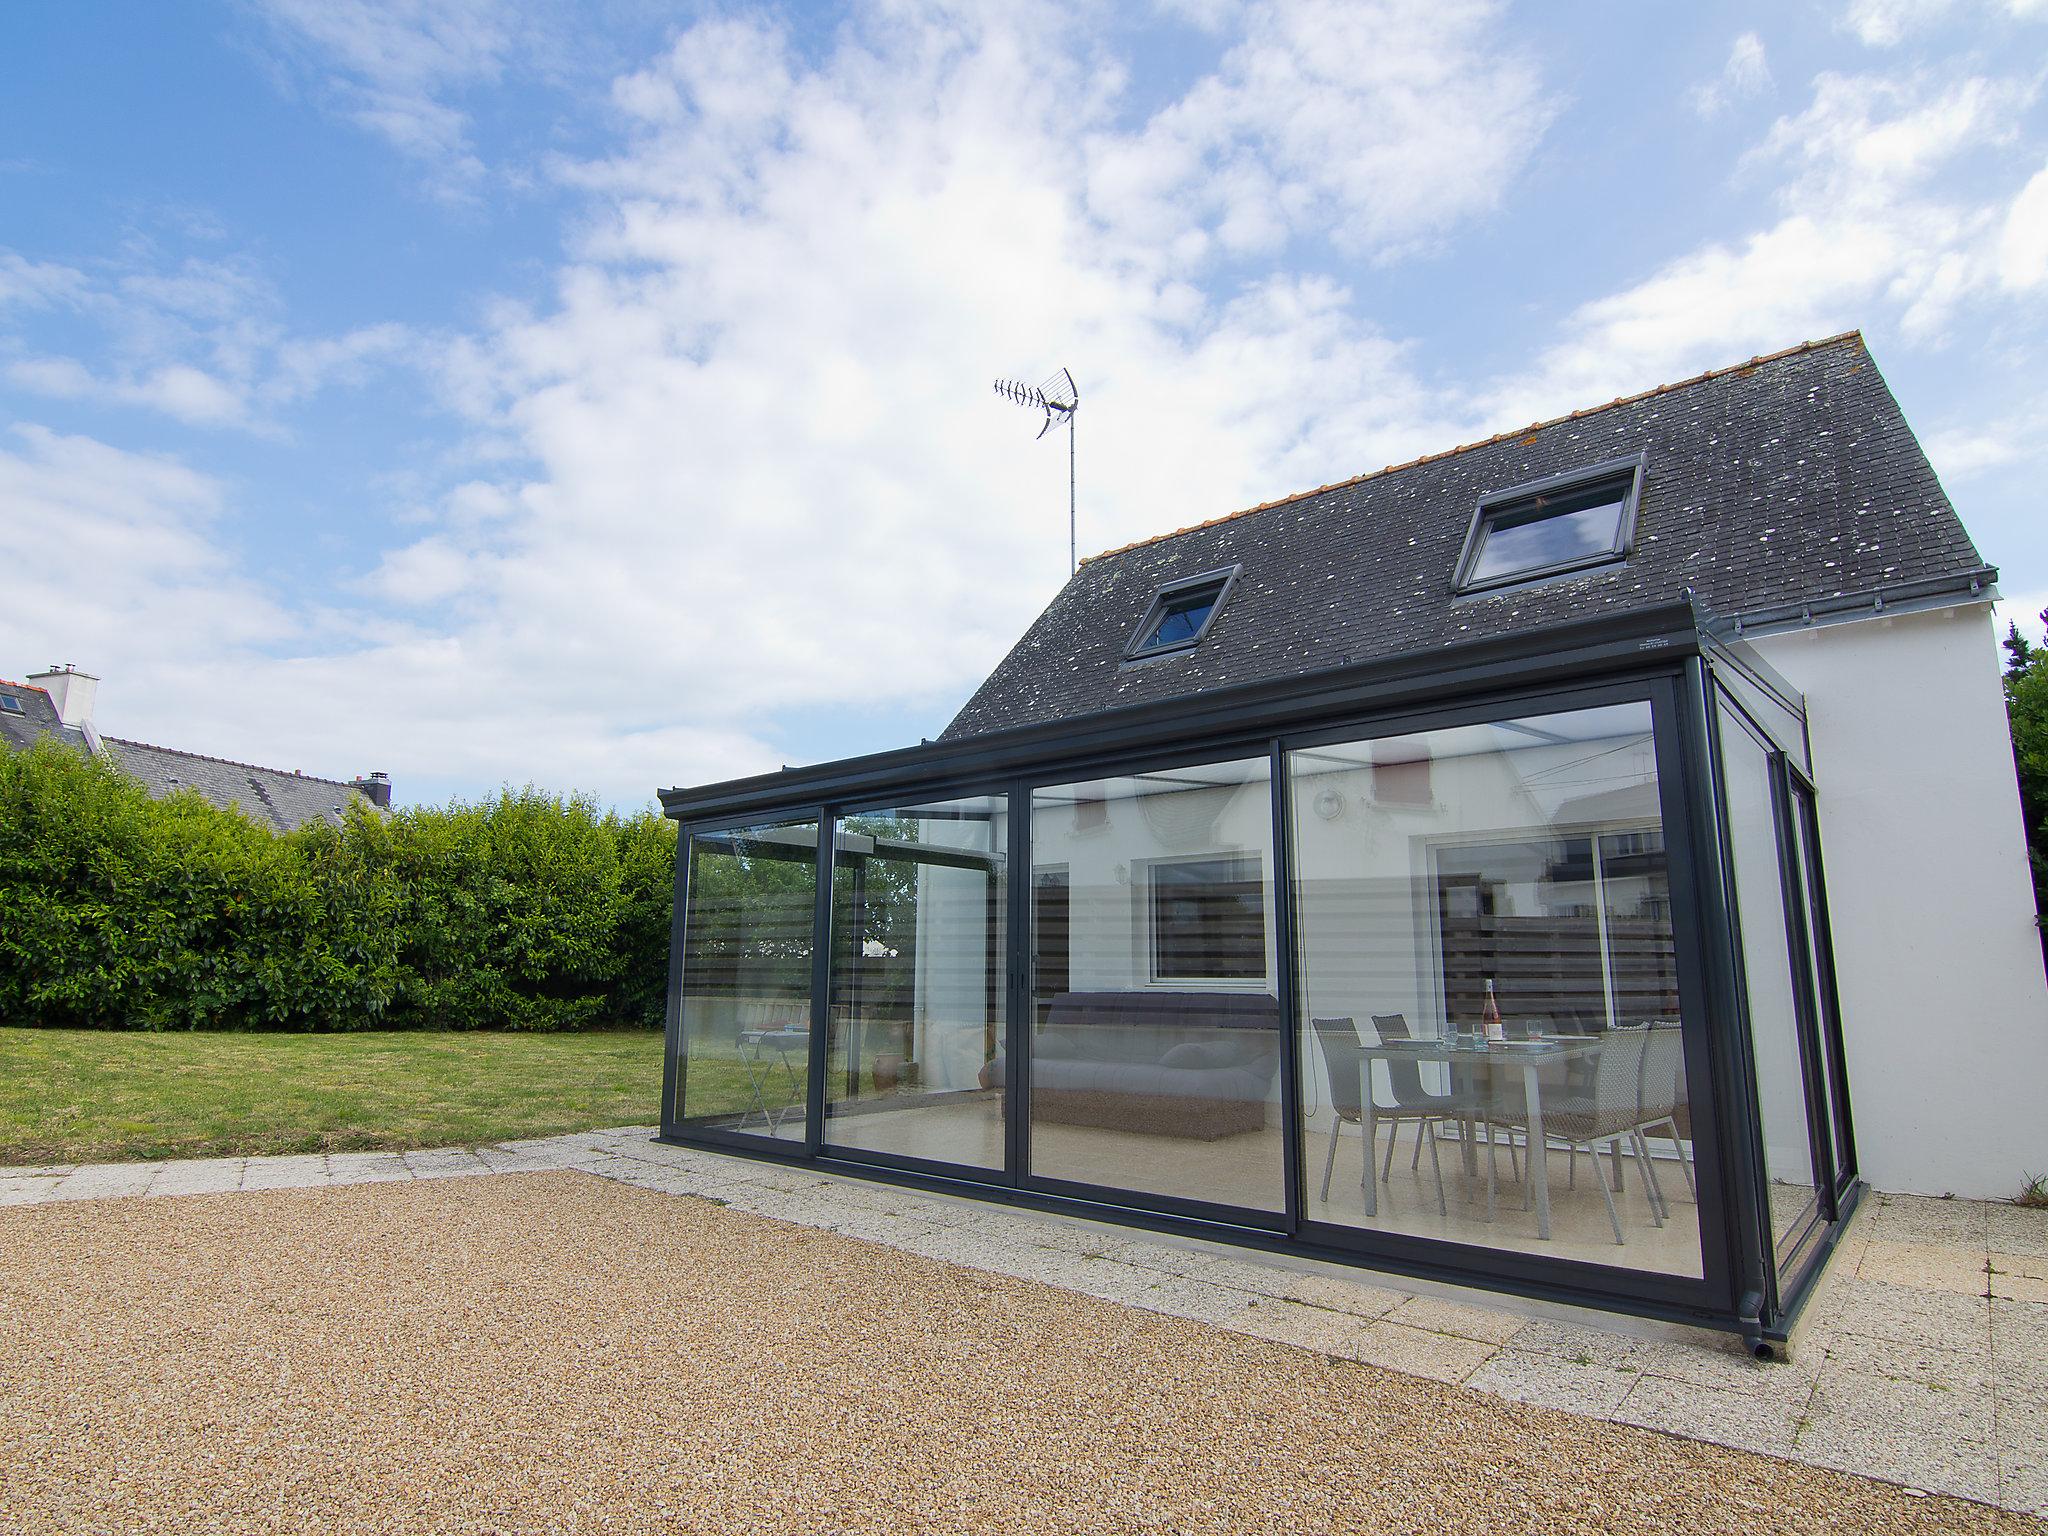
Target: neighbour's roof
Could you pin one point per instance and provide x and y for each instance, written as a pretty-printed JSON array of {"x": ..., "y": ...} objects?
[
  {"x": 38, "y": 717},
  {"x": 1791, "y": 479},
  {"x": 280, "y": 800}
]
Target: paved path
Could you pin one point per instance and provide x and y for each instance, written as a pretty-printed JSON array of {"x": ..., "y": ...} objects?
[{"x": 1924, "y": 1358}]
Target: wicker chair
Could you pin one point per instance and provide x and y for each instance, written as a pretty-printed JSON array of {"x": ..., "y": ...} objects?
[
  {"x": 1344, "y": 1058},
  {"x": 1609, "y": 1113},
  {"x": 1663, "y": 1093},
  {"x": 1411, "y": 1100}
]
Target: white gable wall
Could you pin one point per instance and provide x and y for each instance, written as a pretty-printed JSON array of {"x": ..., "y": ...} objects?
[{"x": 1944, "y": 1003}]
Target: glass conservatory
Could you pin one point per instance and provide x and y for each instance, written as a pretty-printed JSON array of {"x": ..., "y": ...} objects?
[{"x": 1507, "y": 964}]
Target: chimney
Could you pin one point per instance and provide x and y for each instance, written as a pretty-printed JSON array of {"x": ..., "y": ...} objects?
[
  {"x": 376, "y": 788},
  {"x": 70, "y": 690}
]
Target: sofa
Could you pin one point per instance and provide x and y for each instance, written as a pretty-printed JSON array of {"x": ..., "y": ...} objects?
[{"x": 1199, "y": 1065}]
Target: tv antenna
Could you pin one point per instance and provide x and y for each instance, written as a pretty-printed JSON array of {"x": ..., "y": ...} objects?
[{"x": 1059, "y": 397}]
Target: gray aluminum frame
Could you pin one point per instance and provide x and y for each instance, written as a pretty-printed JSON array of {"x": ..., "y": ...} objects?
[{"x": 1509, "y": 504}]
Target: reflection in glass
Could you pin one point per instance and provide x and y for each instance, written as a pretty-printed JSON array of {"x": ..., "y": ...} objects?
[
  {"x": 1521, "y": 877},
  {"x": 1155, "y": 1038},
  {"x": 1768, "y": 975},
  {"x": 746, "y": 983},
  {"x": 918, "y": 935},
  {"x": 1806, "y": 830},
  {"x": 1546, "y": 539}
]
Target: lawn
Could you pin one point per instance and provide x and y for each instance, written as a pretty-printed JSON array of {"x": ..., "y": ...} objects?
[{"x": 73, "y": 1096}]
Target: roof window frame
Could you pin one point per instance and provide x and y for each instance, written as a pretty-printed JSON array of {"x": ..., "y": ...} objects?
[
  {"x": 11, "y": 703},
  {"x": 1223, "y": 579},
  {"x": 1495, "y": 505}
]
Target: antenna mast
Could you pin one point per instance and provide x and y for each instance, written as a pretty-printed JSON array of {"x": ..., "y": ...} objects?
[{"x": 1059, "y": 397}]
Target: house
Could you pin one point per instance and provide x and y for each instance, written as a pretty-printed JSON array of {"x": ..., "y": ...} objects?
[
  {"x": 1579, "y": 863},
  {"x": 58, "y": 703}
]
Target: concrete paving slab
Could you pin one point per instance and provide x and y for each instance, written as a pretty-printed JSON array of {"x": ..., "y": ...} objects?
[
  {"x": 1925, "y": 1266},
  {"x": 1742, "y": 1419},
  {"x": 2016, "y": 1229},
  {"x": 210, "y": 1176},
  {"x": 1921, "y": 1219},
  {"x": 1903, "y": 1431},
  {"x": 107, "y": 1181},
  {"x": 1551, "y": 1382},
  {"x": 1439, "y": 1356},
  {"x": 1880, "y": 1310},
  {"x": 1433, "y": 1314},
  {"x": 1966, "y": 1370}
]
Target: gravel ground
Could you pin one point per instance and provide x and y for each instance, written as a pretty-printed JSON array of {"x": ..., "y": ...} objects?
[{"x": 554, "y": 1352}]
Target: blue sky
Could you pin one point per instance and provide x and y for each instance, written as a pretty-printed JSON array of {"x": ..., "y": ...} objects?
[{"x": 598, "y": 395}]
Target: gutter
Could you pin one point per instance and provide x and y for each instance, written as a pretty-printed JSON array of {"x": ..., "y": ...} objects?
[{"x": 1979, "y": 584}]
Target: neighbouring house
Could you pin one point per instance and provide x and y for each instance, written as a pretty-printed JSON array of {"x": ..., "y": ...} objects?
[
  {"x": 58, "y": 703},
  {"x": 1578, "y": 863}
]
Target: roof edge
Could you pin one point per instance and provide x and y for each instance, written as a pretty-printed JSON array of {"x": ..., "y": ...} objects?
[
  {"x": 1603, "y": 644},
  {"x": 231, "y": 762},
  {"x": 1854, "y": 334}
]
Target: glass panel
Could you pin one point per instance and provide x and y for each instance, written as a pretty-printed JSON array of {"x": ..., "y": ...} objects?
[
  {"x": 746, "y": 990},
  {"x": 1181, "y": 618},
  {"x": 1767, "y": 973},
  {"x": 1807, "y": 829},
  {"x": 918, "y": 934},
  {"x": 1785, "y": 726},
  {"x": 1155, "y": 1042},
  {"x": 1528, "y": 887},
  {"x": 1509, "y": 544}
]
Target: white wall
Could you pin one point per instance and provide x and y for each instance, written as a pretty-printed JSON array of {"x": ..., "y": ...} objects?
[{"x": 1944, "y": 1005}]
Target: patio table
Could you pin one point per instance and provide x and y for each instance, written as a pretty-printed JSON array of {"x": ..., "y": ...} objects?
[{"x": 1467, "y": 1051}]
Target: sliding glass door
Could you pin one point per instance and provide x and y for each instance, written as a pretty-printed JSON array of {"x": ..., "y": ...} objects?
[
  {"x": 920, "y": 936},
  {"x": 1154, "y": 1036},
  {"x": 744, "y": 1033},
  {"x": 1490, "y": 1043}
]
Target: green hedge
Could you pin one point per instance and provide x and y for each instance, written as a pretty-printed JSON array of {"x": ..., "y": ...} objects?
[{"x": 118, "y": 911}]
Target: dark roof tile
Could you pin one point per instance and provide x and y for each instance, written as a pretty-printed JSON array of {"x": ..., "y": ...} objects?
[{"x": 1789, "y": 479}]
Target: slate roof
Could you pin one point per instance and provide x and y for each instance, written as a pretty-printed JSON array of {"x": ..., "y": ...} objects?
[
  {"x": 280, "y": 800},
  {"x": 1791, "y": 479},
  {"x": 38, "y": 717}
]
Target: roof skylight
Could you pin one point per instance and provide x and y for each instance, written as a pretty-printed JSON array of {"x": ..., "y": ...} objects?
[
  {"x": 11, "y": 704},
  {"x": 1565, "y": 523},
  {"x": 1180, "y": 615}
]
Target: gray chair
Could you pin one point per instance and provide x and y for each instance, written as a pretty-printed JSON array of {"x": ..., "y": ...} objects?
[
  {"x": 1607, "y": 1115},
  {"x": 1345, "y": 1060},
  {"x": 1411, "y": 1100},
  {"x": 1663, "y": 1093}
]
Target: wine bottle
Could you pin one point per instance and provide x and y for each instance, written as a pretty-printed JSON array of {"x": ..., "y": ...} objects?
[{"x": 1490, "y": 1015}]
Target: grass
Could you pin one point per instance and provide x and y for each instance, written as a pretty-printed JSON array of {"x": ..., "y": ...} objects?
[
  {"x": 2033, "y": 1193},
  {"x": 77, "y": 1096}
]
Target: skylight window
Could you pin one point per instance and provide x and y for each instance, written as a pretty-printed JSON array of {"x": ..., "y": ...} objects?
[
  {"x": 10, "y": 704},
  {"x": 1181, "y": 614},
  {"x": 1566, "y": 523}
]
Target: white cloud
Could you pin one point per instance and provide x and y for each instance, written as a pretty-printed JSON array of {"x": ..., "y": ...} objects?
[
  {"x": 1746, "y": 74},
  {"x": 202, "y": 341},
  {"x": 124, "y": 548},
  {"x": 2024, "y": 610},
  {"x": 1887, "y": 23},
  {"x": 772, "y": 475},
  {"x": 2023, "y": 242},
  {"x": 136, "y": 583},
  {"x": 36, "y": 284},
  {"x": 1870, "y": 229},
  {"x": 1376, "y": 125},
  {"x": 390, "y": 64},
  {"x": 746, "y": 461}
]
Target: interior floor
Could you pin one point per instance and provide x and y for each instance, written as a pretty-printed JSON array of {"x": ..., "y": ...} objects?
[{"x": 1246, "y": 1171}]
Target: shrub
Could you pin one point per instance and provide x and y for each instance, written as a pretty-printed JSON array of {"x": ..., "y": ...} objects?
[{"x": 121, "y": 911}]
